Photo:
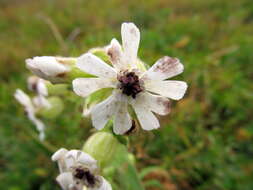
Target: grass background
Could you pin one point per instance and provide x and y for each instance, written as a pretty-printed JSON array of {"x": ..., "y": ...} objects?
[{"x": 204, "y": 144}]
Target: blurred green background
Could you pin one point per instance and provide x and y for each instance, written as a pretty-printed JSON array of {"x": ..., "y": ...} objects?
[{"x": 206, "y": 141}]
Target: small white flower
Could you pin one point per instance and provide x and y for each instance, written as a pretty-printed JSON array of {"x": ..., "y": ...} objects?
[
  {"x": 38, "y": 85},
  {"x": 49, "y": 67},
  {"x": 33, "y": 105},
  {"x": 146, "y": 91},
  {"x": 78, "y": 169}
]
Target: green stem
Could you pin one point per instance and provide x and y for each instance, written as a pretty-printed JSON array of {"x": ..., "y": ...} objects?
[{"x": 45, "y": 145}]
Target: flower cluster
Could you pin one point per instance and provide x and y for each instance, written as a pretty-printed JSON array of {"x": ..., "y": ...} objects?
[
  {"x": 33, "y": 105},
  {"x": 136, "y": 94}
]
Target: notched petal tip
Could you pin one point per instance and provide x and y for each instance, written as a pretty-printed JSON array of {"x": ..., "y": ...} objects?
[
  {"x": 129, "y": 26},
  {"x": 130, "y": 35},
  {"x": 164, "y": 68},
  {"x": 172, "y": 63}
]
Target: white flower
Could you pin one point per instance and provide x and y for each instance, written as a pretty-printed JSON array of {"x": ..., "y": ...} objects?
[
  {"x": 33, "y": 105},
  {"x": 146, "y": 91},
  {"x": 78, "y": 169},
  {"x": 38, "y": 85},
  {"x": 49, "y": 67}
]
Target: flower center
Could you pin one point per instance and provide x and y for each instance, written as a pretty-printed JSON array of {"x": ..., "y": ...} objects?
[
  {"x": 86, "y": 176},
  {"x": 130, "y": 84}
]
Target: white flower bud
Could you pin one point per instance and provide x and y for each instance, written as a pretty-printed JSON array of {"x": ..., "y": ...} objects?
[{"x": 49, "y": 67}]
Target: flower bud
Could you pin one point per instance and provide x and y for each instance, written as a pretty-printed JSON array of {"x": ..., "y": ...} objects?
[
  {"x": 55, "y": 69},
  {"x": 102, "y": 146},
  {"x": 48, "y": 67}
]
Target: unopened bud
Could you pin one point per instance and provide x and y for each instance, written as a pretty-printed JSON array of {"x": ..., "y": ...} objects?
[
  {"x": 47, "y": 67},
  {"x": 55, "y": 69}
]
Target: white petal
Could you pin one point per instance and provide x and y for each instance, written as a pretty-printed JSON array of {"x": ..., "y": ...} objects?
[
  {"x": 45, "y": 66},
  {"x": 65, "y": 180},
  {"x": 42, "y": 136},
  {"x": 88, "y": 105},
  {"x": 155, "y": 103},
  {"x": 85, "y": 86},
  {"x": 73, "y": 154},
  {"x": 38, "y": 123},
  {"x": 102, "y": 112},
  {"x": 42, "y": 89},
  {"x": 71, "y": 158},
  {"x": 164, "y": 68},
  {"x": 130, "y": 40},
  {"x": 171, "y": 89},
  {"x": 114, "y": 50},
  {"x": 23, "y": 98},
  {"x": 91, "y": 64},
  {"x": 122, "y": 119},
  {"x": 74, "y": 157},
  {"x": 32, "y": 82},
  {"x": 105, "y": 185},
  {"x": 41, "y": 102},
  {"x": 88, "y": 161},
  {"x": 59, "y": 154},
  {"x": 146, "y": 118}
]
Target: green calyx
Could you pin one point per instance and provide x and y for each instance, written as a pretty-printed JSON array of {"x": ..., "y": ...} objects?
[
  {"x": 56, "y": 107},
  {"x": 102, "y": 146}
]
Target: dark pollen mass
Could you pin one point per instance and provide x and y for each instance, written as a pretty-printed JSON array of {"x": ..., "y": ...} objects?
[
  {"x": 85, "y": 175},
  {"x": 130, "y": 84},
  {"x": 79, "y": 173}
]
